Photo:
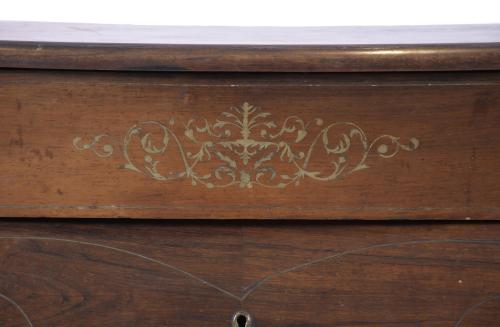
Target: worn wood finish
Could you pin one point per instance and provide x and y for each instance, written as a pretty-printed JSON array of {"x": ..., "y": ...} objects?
[
  {"x": 252, "y": 49},
  {"x": 293, "y": 274},
  {"x": 442, "y": 162},
  {"x": 416, "y": 141}
]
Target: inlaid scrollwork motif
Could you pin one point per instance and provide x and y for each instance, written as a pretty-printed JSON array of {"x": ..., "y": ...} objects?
[
  {"x": 105, "y": 151},
  {"x": 246, "y": 147}
]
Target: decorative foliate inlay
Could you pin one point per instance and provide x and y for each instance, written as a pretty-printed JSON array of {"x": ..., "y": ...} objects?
[{"x": 246, "y": 147}]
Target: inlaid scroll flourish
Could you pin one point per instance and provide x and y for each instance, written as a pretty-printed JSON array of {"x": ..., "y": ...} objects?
[{"x": 247, "y": 148}]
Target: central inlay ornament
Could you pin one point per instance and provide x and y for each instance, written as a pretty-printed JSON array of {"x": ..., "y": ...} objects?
[{"x": 247, "y": 148}]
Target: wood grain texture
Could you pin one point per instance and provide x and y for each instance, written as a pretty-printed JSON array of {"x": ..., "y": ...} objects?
[
  {"x": 251, "y": 49},
  {"x": 283, "y": 274},
  {"x": 452, "y": 174}
]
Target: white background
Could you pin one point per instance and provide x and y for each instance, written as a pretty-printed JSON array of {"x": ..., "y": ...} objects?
[{"x": 255, "y": 12}]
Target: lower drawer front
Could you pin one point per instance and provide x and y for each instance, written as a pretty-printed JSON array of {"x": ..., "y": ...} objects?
[{"x": 279, "y": 273}]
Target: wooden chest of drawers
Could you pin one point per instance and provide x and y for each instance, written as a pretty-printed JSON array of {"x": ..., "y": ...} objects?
[{"x": 276, "y": 177}]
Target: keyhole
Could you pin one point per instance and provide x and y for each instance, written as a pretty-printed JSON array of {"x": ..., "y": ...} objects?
[{"x": 242, "y": 319}]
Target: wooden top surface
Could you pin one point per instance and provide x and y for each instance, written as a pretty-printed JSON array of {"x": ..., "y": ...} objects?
[
  {"x": 212, "y": 35},
  {"x": 259, "y": 49}
]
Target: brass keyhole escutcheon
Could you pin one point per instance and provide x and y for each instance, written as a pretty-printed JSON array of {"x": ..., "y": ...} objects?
[{"x": 242, "y": 319}]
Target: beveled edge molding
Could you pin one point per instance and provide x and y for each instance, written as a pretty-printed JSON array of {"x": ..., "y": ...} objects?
[{"x": 244, "y": 159}]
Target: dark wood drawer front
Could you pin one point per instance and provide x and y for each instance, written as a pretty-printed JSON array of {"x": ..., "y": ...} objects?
[
  {"x": 245, "y": 146},
  {"x": 289, "y": 274}
]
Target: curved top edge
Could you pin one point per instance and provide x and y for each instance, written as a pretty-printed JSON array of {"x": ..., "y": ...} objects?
[{"x": 249, "y": 49}]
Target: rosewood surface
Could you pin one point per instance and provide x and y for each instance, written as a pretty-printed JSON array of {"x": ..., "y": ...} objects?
[
  {"x": 293, "y": 274},
  {"x": 294, "y": 176},
  {"x": 365, "y": 146},
  {"x": 252, "y": 49}
]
